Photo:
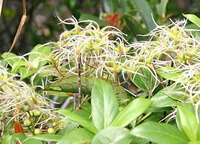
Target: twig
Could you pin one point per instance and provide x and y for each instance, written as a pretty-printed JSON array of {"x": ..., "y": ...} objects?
[
  {"x": 144, "y": 117},
  {"x": 75, "y": 95},
  {"x": 22, "y": 21},
  {"x": 79, "y": 82},
  {"x": 1, "y": 4}
]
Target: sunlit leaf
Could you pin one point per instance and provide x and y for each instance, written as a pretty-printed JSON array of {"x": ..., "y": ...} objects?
[
  {"x": 76, "y": 118},
  {"x": 112, "y": 135},
  {"x": 193, "y": 18},
  {"x": 188, "y": 123},
  {"x": 104, "y": 104},
  {"x": 160, "y": 133},
  {"x": 77, "y": 136},
  {"x": 131, "y": 112}
]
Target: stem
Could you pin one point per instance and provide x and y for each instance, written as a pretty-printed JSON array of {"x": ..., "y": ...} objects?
[
  {"x": 75, "y": 101},
  {"x": 144, "y": 117},
  {"x": 116, "y": 78},
  {"x": 79, "y": 82},
  {"x": 55, "y": 66}
]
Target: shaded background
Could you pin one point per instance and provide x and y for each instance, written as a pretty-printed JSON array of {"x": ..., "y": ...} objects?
[{"x": 42, "y": 24}]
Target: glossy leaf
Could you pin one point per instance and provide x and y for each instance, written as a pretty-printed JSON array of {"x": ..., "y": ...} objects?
[
  {"x": 188, "y": 123},
  {"x": 187, "y": 106},
  {"x": 39, "y": 52},
  {"x": 76, "y": 118},
  {"x": 71, "y": 126},
  {"x": 160, "y": 133},
  {"x": 138, "y": 140},
  {"x": 193, "y": 18},
  {"x": 104, "y": 104},
  {"x": 18, "y": 64},
  {"x": 11, "y": 58},
  {"x": 169, "y": 73},
  {"x": 131, "y": 112},
  {"x": 146, "y": 13},
  {"x": 112, "y": 135},
  {"x": 25, "y": 72},
  {"x": 167, "y": 97},
  {"x": 77, "y": 136},
  {"x": 144, "y": 80}
]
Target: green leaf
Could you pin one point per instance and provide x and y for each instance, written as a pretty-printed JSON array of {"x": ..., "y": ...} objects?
[
  {"x": 194, "y": 142},
  {"x": 131, "y": 112},
  {"x": 25, "y": 72},
  {"x": 18, "y": 64},
  {"x": 76, "y": 118},
  {"x": 2, "y": 62},
  {"x": 193, "y": 26},
  {"x": 198, "y": 132},
  {"x": 70, "y": 84},
  {"x": 71, "y": 126},
  {"x": 146, "y": 13},
  {"x": 144, "y": 80},
  {"x": 32, "y": 141},
  {"x": 169, "y": 73},
  {"x": 193, "y": 18},
  {"x": 167, "y": 97},
  {"x": 104, "y": 104},
  {"x": 44, "y": 137},
  {"x": 160, "y": 133},
  {"x": 188, "y": 123},
  {"x": 138, "y": 140},
  {"x": 8, "y": 139},
  {"x": 94, "y": 18},
  {"x": 77, "y": 136},
  {"x": 112, "y": 135},
  {"x": 187, "y": 106},
  {"x": 37, "y": 54},
  {"x": 161, "y": 7},
  {"x": 57, "y": 93},
  {"x": 11, "y": 58},
  {"x": 110, "y": 6}
]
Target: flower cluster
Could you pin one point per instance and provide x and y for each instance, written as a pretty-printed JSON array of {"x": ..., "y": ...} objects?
[{"x": 21, "y": 103}]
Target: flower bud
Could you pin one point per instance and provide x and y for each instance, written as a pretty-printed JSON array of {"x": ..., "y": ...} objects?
[
  {"x": 37, "y": 113},
  {"x": 26, "y": 108},
  {"x": 27, "y": 122},
  {"x": 37, "y": 131},
  {"x": 50, "y": 130}
]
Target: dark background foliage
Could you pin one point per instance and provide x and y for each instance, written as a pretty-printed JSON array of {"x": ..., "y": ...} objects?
[{"x": 42, "y": 24}]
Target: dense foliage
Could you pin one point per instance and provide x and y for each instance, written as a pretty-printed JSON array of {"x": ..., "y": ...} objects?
[{"x": 97, "y": 85}]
